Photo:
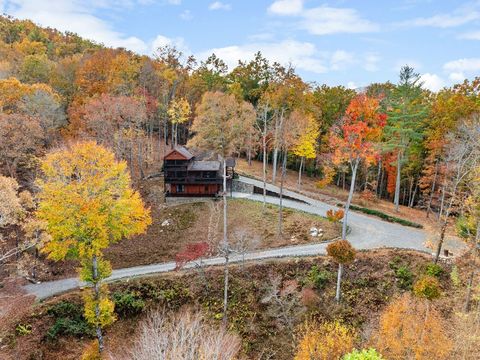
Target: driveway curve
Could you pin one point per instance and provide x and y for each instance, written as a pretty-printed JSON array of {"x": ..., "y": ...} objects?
[{"x": 366, "y": 233}]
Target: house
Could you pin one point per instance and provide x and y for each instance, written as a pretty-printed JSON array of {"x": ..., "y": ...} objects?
[{"x": 188, "y": 175}]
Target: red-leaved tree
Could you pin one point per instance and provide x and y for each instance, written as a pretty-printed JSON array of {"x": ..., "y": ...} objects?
[{"x": 354, "y": 139}]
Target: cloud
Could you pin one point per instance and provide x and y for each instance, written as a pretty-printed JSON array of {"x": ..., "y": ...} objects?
[
  {"x": 177, "y": 42},
  {"x": 463, "y": 65},
  {"x": 323, "y": 20},
  {"x": 218, "y": 5},
  {"x": 460, "y": 69},
  {"x": 186, "y": 15},
  {"x": 432, "y": 82},
  {"x": 473, "y": 35},
  {"x": 351, "y": 85},
  {"x": 304, "y": 56},
  {"x": 460, "y": 16},
  {"x": 326, "y": 20},
  {"x": 286, "y": 7},
  {"x": 77, "y": 16}
]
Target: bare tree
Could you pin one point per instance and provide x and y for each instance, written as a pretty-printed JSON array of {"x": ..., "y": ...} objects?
[
  {"x": 284, "y": 302},
  {"x": 462, "y": 157},
  {"x": 181, "y": 336}
]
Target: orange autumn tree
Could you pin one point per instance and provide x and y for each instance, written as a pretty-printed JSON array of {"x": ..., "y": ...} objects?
[
  {"x": 406, "y": 332},
  {"x": 87, "y": 201},
  {"x": 353, "y": 140}
]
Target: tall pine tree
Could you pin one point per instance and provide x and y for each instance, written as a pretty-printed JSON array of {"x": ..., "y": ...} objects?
[{"x": 406, "y": 113}]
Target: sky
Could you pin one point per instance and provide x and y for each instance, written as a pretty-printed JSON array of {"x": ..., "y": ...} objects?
[{"x": 339, "y": 42}]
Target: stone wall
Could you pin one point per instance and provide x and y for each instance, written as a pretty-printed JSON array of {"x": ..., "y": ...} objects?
[{"x": 239, "y": 186}]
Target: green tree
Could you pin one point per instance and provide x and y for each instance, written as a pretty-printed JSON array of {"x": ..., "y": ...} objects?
[
  {"x": 406, "y": 113},
  {"x": 87, "y": 202}
]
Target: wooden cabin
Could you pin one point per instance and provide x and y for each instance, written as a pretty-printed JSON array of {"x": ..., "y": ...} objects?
[{"x": 185, "y": 175}]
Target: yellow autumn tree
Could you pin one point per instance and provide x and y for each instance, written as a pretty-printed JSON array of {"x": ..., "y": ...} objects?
[
  {"x": 178, "y": 112},
  {"x": 87, "y": 201},
  {"x": 305, "y": 147},
  {"x": 408, "y": 331},
  {"x": 327, "y": 341}
]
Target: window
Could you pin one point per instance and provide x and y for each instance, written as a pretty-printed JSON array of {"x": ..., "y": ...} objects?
[{"x": 180, "y": 188}]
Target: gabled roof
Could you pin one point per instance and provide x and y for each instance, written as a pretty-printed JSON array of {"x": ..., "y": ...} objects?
[
  {"x": 182, "y": 150},
  {"x": 210, "y": 165}
]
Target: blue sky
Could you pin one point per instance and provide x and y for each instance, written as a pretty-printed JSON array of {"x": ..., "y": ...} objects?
[{"x": 338, "y": 42}]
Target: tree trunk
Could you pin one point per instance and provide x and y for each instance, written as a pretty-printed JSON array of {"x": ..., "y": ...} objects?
[
  {"x": 300, "y": 172},
  {"x": 379, "y": 174},
  {"x": 440, "y": 241},
  {"x": 349, "y": 200},
  {"x": 469, "y": 291},
  {"x": 280, "y": 211},
  {"x": 274, "y": 164},
  {"x": 432, "y": 190},
  {"x": 412, "y": 200},
  {"x": 264, "y": 145},
  {"x": 225, "y": 244},
  {"x": 396, "y": 200},
  {"x": 96, "y": 288},
  {"x": 339, "y": 281}
]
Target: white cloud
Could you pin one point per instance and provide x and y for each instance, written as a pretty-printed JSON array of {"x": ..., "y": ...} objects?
[
  {"x": 457, "y": 76},
  {"x": 463, "y": 65},
  {"x": 351, "y": 85},
  {"x": 460, "y": 16},
  {"x": 323, "y": 20},
  {"x": 326, "y": 20},
  {"x": 303, "y": 56},
  {"x": 76, "y": 16},
  {"x": 432, "y": 82},
  {"x": 473, "y": 35},
  {"x": 218, "y": 5},
  {"x": 186, "y": 15},
  {"x": 286, "y": 7},
  {"x": 178, "y": 43},
  {"x": 174, "y": 2}
]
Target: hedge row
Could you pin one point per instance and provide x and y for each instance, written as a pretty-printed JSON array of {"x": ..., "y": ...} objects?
[{"x": 385, "y": 217}]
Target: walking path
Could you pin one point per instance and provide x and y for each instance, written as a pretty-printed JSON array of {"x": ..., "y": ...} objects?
[{"x": 365, "y": 233}]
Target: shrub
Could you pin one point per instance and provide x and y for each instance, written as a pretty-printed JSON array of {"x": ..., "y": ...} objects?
[
  {"x": 386, "y": 217},
  {"x": 335, "y": 216},
  {"x": 341, "y": 251},
  {"x": 327, "y": 341},
  {"x": 370, "y": 354},
  {"x": 455, "y": 277},
  {"x": 23, "y": 329},
  {"x": 69, "y": 320},
  {"x": 404, "y": 277},
  {"x": 434, "y": 270},
  {"x": 317, "y": 278},
  {"x": 427, "y": 287},
  {"x": 91, "y": 351},
  {"x": 128, "y": 304}
]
